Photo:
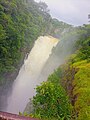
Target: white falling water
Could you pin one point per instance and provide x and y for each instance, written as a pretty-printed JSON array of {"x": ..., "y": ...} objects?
[{"x": 27, "y": 79}]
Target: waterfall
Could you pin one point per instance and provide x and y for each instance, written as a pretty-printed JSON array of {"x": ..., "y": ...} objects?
[{"x": 27, "y": 79}]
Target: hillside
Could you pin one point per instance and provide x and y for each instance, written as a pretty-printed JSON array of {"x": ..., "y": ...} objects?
[
  {"x": 21, "y": 23},
  {"x": 65, "y": 95}
]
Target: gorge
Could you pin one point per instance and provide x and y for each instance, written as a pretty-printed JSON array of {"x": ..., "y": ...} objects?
[
  {"x": 27, "y": 80},
  {"x": 43, "y": 62}
]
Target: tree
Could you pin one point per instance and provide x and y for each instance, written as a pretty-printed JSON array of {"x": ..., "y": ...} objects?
[
  {"x": 43, "y": 7},
  {"x": 51, "y": 101}
]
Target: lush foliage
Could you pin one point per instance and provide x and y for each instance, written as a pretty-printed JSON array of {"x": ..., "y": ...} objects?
[
  {"x": 83, "y": 44},
  {"x": 80, "y": 61},
  {"x": 75, "y": 79},
  {"x": 57, "y": 28},
  {"x": 51, "y": 100},
  {"x": 21, "y": 22},
  {"x": 82, "y": 91}
]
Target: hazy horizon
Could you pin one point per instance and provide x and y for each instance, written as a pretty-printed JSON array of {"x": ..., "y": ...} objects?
[{"x": 73, "y": 12}]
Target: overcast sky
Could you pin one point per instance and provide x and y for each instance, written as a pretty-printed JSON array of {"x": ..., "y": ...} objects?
[{"x": 74, "y": 12}]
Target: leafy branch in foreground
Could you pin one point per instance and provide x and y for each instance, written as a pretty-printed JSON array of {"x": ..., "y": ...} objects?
[{"x": 51, "y": 101}]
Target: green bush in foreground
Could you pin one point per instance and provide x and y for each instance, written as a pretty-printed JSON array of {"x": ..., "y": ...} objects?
[{"x": 51, "y": 102}]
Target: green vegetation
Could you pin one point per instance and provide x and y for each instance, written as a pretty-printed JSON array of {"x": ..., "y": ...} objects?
[
  {"x": 21, "y": 23},
  {"x": 66, "y": 93},
  {"x": 19, "y": 27},
  {"x": 51, "y": 100},
  {"x": 80, "y": 62},
  {"x": 82, "y": 91},
  {"x": 81, "y": 81},
  {"x": 57, "y": 28}
]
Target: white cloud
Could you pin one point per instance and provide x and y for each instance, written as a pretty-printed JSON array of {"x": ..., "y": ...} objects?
[{"x": 71, "y": 11}]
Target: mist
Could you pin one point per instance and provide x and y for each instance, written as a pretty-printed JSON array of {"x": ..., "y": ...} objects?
[
  {"x": 46, "y": 56},
  {"x": 59, "y": 56},
  {"x": 27, "y": 79}
]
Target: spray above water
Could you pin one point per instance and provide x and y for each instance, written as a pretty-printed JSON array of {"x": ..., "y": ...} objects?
[{"x": 27, "y": 79}]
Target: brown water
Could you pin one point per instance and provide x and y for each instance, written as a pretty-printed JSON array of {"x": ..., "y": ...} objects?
[{"x": 27, "y": 79}]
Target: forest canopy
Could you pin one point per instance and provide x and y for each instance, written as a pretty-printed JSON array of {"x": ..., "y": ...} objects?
[{"x": 21, "y": 23}]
